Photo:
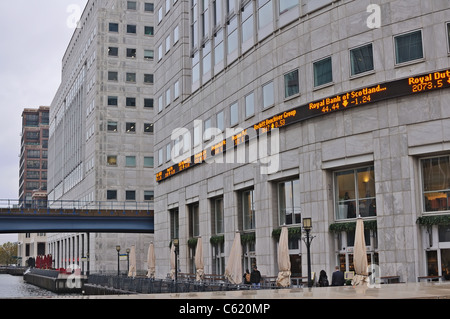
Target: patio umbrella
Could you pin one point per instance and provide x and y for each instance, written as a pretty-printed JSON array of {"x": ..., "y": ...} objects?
[
  {"x": 172, "y": 261},
  {"x": 132, "y": 270},
  {"x": 284, "y": 263},
  {"x": 360, "y": 255},
  {"x": 151, "y": 261},
  {"x": 199, "y": 264},
  {"x": 233, "y": 270}
]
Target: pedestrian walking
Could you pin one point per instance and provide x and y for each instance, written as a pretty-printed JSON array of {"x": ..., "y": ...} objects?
[
  {"x": 337, "y": 278},
  {"x": 255, "y": 278}
]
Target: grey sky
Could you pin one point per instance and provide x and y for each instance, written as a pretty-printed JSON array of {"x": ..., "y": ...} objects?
[{"x": 34, "y": 36}]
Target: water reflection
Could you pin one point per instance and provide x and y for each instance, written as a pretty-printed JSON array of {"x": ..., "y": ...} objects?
[{"x": 16, "y": 287}]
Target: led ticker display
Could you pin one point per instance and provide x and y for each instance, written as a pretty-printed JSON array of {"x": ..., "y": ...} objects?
[{"x": 356, "y": 98}]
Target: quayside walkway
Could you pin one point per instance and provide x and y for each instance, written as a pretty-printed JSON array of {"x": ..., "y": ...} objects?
[{"x": 388, "y": 291}]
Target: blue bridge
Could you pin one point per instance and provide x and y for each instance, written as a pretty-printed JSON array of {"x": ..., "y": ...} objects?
[{"x": 75, "y": 216}]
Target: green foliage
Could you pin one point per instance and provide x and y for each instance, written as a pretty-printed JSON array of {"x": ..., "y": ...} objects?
[
  {"x": 248, "y": 238},
  {"x": 8, "y": 254},
  {"x": 293, "y": 233},
  {"x": 351, "y": 226},
  {"x": 433, "y": 220},
  {"x": 192, "y": 242},
  {"x": 217, "y": 239}
]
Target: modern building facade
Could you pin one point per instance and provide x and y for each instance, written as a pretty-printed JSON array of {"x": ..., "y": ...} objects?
[
  {"x": 33, "y": 175},
  {"x": 101, "y": 127},
  {"x": 339, "y": 108}
]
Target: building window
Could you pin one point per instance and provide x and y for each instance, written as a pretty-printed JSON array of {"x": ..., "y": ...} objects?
[
  {"x": 220, "y": 121},
  {"x": 130, "y": 195},
  {"x": 131, "y": 77},
  {"x": 149, "y": 7},
  {"x": 149, "y": 54},
  {"x": 113, "y": 51},
  {"x": 285, "y": 5},
  {"x": 448, "y": 36},
  {"x": 131, "y": 101},
  {"x": 131, "y": 53},
  {"x": 291, "y": 84},
  {"x": 131, "y": 5},
  {"x": 289, "y": 202},
  {"x": 149, "y": 161},
  {"x": 217, "y": 215},
  {"x": 174, "y": 223},
  {"x": 112, "y": 160},
  {"x": 148, "y": 30},
  {"x": 436, "y": 183},
  {"x": 112, "y": 126},
  {"x": 148, "y": 127},
  {"x": 248, "y": 209},
  {"x": 361, "y": 59},
  {"x": 194, "y": 221},
  {"x": 148, "y": 78},
  {"x": 111, "y": 195},
  {"x": 234, "y": 114},
  {"x": 268, "y": 95},
  {"x": 131, "y": 28},
  {"x": 148, "y": 103},
  {"x": 355, "y": 193},
  {"x": 113, "y": 76},
  {"x": 176, "y": 34},
  {"x": 130, "y": 127},
  {"x": 149, "y": 195},
  {"x": 113, "y": 100},
  {"x": 232, "y": 39},
  {"x": 250, "y": 105},
  {"x": 265, "y": 13},
  {"x": 130, "y": 161},
  {"x": 113, "y": 27},
  {"x": 247, "y": 22},
  {"x": 408, "y": 47},
  {"x": 323, "y": 72}
]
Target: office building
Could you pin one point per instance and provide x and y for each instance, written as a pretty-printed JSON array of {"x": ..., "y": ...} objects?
[
  {"x": 101, "y": 128},
  {"x": 339, "y": 109}
]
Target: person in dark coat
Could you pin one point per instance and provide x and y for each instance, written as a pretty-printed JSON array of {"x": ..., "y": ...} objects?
[
  {"x": 323, "y": 279},
  {"x": 255, "y": 278},
  {"x": 338, "y": 278}
]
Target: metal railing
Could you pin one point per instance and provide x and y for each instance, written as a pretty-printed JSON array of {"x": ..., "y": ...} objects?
[{"x": 76, "y": 204}]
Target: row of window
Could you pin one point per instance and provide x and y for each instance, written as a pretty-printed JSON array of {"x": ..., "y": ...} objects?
[
  {"x": 134, "y": 6},
  {"x": 37, "y": 153},
  {"x": 130, "y": 127},
  {"x": 129, "y": 102},
  {"x": 130, "y": 161},
  {"x": 131, "y": 29},
  {"x": 130, "y": 195},
  {"x": 130, "y": 77},
  {"x": 131, "y": 53}
]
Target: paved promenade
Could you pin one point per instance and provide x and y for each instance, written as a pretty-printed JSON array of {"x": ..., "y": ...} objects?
[{"x": 391, "y": 291}]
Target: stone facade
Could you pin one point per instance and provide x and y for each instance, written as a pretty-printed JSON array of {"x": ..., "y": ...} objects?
[
  {"x": 389, "y": 138},
  {"x": 101, "y": 126}
]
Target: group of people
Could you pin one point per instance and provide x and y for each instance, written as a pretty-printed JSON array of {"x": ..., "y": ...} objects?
[
  {"x": 253, "y": 278},
  {"x": 337, "y": 278}
]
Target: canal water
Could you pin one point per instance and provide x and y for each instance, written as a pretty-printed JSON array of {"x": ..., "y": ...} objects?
[{"x": 16, "y": 287}]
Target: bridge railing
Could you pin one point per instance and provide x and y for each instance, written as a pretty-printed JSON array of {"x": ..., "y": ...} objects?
[{"x": 76, "y": 204}]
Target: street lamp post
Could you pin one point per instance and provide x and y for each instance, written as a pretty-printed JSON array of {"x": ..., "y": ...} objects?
[
  {"x": 175, "y": 242},
  {"x": 118, "y": 260},
  {"x": 307, "y": 226}
]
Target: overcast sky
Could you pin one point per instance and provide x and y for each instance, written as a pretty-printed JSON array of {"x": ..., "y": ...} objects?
[{"x": 33, "y": 38}]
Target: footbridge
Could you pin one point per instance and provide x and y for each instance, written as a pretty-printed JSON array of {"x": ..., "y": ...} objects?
[{"x": 75, "y": 216}]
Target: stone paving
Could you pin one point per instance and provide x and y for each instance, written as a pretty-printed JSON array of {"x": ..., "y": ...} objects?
[{"x": 390, "y": 291}]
